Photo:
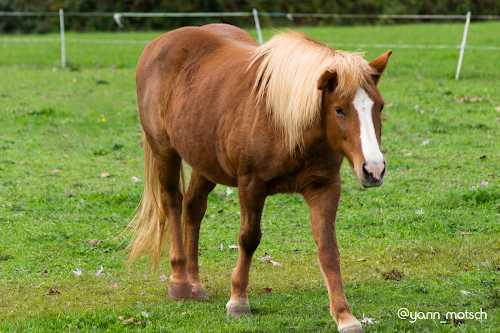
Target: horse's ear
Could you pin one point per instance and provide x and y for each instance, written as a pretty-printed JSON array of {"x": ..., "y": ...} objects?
[
  {"x": 379, "y": 64},
  {"x": 328, "y": 80}
]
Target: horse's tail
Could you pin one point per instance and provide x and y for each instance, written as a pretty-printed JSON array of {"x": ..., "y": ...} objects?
[{"x": 150, "y": 226}]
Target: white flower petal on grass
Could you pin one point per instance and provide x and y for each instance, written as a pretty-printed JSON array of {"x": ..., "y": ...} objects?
[
  {"x": 229, "y": 191},
  {"x": 266, "y": 258},
  {"x": 78, "y": 272},
  {"x": 135, "y": 179},
  {"x": 233, "y": 247},
  {"x": 419, "y": 212},
  {"x": 275, "y": 263},
  {"x": 99, "y": 271},
  {"x": 367, "y": 320}
]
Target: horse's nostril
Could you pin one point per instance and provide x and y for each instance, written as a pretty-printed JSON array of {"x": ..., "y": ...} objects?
[
  {"x": 383, "y": 171},
  {"x": 365, "y": 172}
]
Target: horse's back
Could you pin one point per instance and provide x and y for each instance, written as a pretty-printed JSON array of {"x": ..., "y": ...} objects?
[
  {"x": 198, "y": 41},
  {"x": 169, "y": 53},
  {"x": 232, "y": 34}
]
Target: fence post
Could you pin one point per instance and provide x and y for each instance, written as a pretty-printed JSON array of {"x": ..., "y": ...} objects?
[
  {"x": 118, "y": 19},
  {"x": 257, "y": 25},
  {"x": 462, "y": 48},
  {"x": 63, "y": 46}
]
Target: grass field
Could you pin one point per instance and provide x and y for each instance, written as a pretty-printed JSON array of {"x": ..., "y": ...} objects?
[{"x": 61, "y": 129}]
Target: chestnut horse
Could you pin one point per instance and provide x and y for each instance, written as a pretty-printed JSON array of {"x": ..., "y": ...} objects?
[{"x": 276, "y": 118}]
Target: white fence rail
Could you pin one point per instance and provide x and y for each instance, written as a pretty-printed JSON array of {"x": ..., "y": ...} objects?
[
  {"x": 147, "y": 41},
  {"x": 119, "y": 16}
]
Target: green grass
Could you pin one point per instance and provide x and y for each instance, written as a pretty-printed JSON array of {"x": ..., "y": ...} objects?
[{"x": 53, "y": 222}]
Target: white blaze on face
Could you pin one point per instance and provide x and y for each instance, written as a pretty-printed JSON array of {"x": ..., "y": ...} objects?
[{"x": 369, "y": 144}]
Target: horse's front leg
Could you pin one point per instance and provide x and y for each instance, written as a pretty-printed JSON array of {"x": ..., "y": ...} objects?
[
  {"x": 323, "y": 203},
  {"x": 252, "y": 194}
]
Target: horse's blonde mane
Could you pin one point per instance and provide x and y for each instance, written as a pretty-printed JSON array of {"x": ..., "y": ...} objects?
[{"x": 291, "y": 65}]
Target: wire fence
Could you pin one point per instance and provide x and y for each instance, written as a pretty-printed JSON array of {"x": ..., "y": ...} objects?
[
  {"x": 147, "y": 41},
  {"x": 74, "y": 40},
  {"x": 118, "y": 17}
]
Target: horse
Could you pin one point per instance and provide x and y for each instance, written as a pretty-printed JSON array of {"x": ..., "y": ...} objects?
[{"x": 276, "y": 118}]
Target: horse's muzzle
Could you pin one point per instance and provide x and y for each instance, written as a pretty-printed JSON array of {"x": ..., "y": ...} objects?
[{"x": 373, "y": 173}]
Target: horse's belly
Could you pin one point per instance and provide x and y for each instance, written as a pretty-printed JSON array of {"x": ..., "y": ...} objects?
[
  {"x": 213, "y": 172},
  {"x": 200, "y": 151}
]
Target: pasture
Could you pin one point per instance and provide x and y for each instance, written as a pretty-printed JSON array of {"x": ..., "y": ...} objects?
[{"x": 70, "y": 144}]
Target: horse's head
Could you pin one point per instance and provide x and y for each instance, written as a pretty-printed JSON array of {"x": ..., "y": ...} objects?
[{"x": 354, "y": 125}]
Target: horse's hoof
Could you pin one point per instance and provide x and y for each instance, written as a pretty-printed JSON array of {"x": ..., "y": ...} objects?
[
  {"x": 356, "y": 329},
  {"x": 179, "y": 292},
  {"x": 199, "y": 294},
  {"x": 239, "y": 310}
]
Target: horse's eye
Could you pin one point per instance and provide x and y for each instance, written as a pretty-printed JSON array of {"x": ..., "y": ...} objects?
[
  {"x": 381, "y": 109},
  {"x": 339, "y": 111}
]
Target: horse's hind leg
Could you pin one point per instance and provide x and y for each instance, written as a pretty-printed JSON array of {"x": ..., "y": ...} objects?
[
  {"x": 196, "y": 205},
  {"x": 155, "y": 85},
  {"x": 252, "y": 195},
  {"x": 168, "y": 165}
]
